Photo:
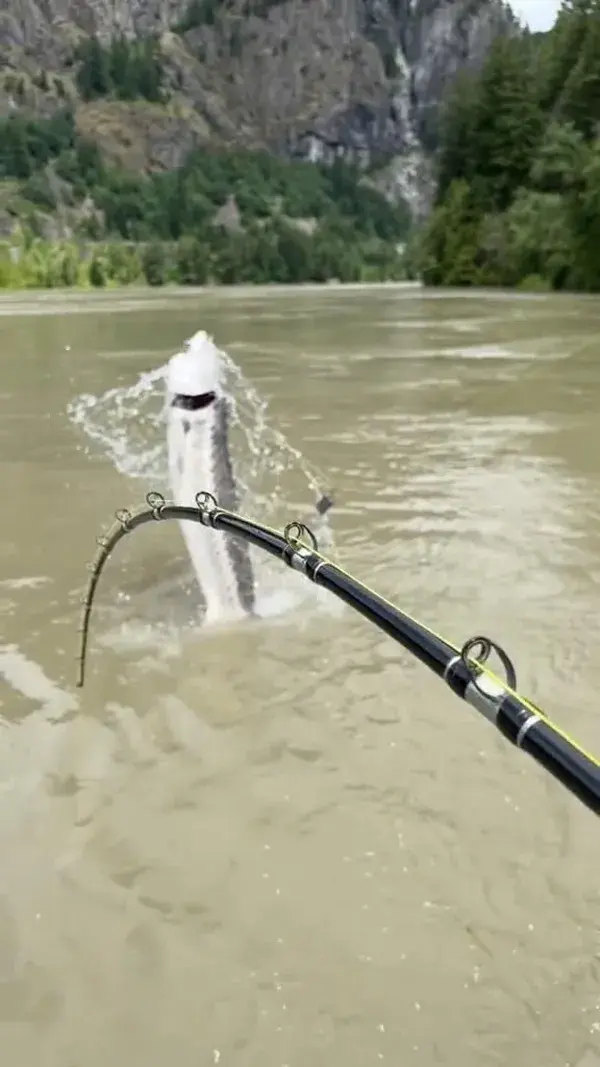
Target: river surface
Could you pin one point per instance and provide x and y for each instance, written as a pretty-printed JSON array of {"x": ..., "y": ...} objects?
[{"x": 289, "y": 845}]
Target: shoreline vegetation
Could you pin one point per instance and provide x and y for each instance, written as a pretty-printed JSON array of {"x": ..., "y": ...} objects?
[
  {"x": 518, "y": 166},
  {"x": 39, "y": 264}
]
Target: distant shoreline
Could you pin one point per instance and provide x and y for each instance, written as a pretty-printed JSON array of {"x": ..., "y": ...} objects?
[
  {"x": 148, "y": 294},
  {"x": 34, "y": 302}
]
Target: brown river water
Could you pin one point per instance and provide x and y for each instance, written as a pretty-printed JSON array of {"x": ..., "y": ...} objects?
[{"x": 288, "y": 845}]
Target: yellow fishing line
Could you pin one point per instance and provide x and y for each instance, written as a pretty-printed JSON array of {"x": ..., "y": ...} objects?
[
  {"x": 485, "y": 670},
  {"x": 122, "y": 524}
]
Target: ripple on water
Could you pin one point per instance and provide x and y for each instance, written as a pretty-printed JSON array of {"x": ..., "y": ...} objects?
[{"x": 287, "y": 843}]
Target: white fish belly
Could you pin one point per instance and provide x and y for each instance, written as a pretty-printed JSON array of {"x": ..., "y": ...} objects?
[{"x": 195, "y": 466}]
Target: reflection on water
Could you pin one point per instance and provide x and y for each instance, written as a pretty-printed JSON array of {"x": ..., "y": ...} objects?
[{"x": 288, "y": 844}]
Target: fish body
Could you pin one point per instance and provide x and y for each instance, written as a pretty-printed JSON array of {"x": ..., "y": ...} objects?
[{"x": 200, "y": 461}]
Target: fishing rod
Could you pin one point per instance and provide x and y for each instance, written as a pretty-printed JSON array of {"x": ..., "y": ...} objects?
[{"x": 463, "y": 669}]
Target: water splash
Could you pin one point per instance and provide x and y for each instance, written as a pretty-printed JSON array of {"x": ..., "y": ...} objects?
[
  {"x": 126, "y": 423},
  {"x": 127, "y": 426}
]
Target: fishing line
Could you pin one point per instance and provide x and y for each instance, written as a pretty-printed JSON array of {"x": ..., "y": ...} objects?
[{"x": 463, "y": 669}]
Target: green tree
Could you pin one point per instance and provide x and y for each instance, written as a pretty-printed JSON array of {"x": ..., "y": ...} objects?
[
  {"x": 69, "y": 266},
  {"x": 295, "y": 250},
  {"x": 123, "y": 264},
  {"x": 459, "y": 120},
  {"x": 97, "y": 272},
  {"x": 333, "y": 258},
  {"x": 508, "y": 125},
  {"x": 579, "y": 101},
  {"x": 148, "y": 71},
  {"x": 561, "y": 49},
  {"x": 450, "y": 244},
  {"x": 198, "y": 13},
  {"x": 39, "y": 190},
  {"x": 584, "y": 211},
  {"x": 558, "y": 164},
  {"x": 154, "y": 264},
  {"x": 131, "y": 69},
  {"x": 122, "y": 75},
  {"x": 539, "y": 238},
  {"x": 192, "y": 262},
  {"x": 93, "y": 73},
  {"x": 17, "y": 162}
]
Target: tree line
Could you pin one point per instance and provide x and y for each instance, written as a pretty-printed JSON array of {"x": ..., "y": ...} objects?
[
  {"x": 296, "y": 222},
  {"x": 280, "y": 255},
  {"x": 518, "y": 167}
]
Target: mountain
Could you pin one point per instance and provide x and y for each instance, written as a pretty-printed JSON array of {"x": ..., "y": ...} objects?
[{"x": 360, "y": 80}]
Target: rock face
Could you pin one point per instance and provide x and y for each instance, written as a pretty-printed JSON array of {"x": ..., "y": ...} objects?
[{"x": 313, "y": 79}]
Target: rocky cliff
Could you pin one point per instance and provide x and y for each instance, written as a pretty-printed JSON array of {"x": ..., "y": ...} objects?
[{"x": 315, "y": 79}]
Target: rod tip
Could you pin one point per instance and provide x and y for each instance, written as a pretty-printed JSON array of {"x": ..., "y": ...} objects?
[{"x": 325, "y": 503}]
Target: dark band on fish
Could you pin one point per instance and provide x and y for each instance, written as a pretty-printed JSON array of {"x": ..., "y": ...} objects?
[
  {"x": 238, "y": 550},
  {"x": 193, "y": 403}
]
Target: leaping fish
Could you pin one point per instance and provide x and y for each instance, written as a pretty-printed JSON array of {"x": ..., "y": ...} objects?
[{"x": 200, "y": 459}]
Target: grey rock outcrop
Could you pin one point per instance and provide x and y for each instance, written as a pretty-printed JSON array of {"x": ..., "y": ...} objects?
[{"x": 311, "y": 79}]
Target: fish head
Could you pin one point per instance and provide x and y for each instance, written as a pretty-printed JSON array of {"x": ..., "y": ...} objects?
[
  {"x": 194, "y": 375},
  {"x": 193, "y": 386}
]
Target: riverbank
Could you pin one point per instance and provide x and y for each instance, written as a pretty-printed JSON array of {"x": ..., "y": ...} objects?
[
  {"x": 30, "y": 302},
  {"x": 278, "y": 256},
  {"x": 111, "y": 266}
]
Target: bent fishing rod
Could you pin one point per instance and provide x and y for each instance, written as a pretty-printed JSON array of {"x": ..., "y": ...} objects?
[{"x": 463, "y": 669}]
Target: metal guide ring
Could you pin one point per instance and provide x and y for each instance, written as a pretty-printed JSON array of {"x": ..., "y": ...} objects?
[
  {"x": 124, "y": 516},
  {"x": 295, "y": 531},
  {"x": 206, "y": 501},
  {"x": 480, "y": 648},
  {"x": 155, "y": 502}
]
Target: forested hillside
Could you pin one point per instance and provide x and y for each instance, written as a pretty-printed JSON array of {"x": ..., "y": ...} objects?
[
  {"x": 222, "y": 217},
  {"x": 518, "y": 169}
]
